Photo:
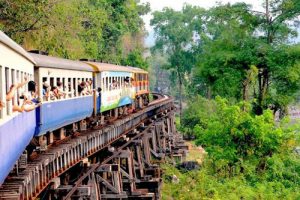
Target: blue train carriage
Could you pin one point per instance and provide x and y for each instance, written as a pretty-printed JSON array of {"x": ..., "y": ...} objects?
[
  {"x": 53, "y": 73},
  {"x": 115, "y": 83},
  {"x": 16, "y": 128}
]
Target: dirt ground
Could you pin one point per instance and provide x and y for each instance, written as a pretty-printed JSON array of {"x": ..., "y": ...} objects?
[{"x": 195, "y": 153}]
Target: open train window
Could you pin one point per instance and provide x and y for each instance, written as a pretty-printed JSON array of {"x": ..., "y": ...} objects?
[
  {"x": 7, "y": 80},
  {"x": 51, "y": 82},
  {"x": 109, "y": 83},
  {"x": 102, "y": 83},
  {"x": 74, "y": 87},
  {"x": 2, "y": 80}
]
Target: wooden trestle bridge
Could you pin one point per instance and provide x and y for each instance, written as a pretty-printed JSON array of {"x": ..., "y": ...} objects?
[{"x": 116, "y": 161}]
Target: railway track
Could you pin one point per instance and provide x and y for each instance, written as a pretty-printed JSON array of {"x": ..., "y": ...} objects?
[{"x": 116, "y": 161}]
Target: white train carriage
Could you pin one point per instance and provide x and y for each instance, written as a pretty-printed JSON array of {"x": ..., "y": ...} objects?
[
  {"x": 116, "y": 84},
  {"x": 73, "y": 106},
  {"x": 16, "y": 128}
]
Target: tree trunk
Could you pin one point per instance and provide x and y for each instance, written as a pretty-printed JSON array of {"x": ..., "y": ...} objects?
[
  {"x": 208, "y": 95},
  {"x": 180, "y": 99}
]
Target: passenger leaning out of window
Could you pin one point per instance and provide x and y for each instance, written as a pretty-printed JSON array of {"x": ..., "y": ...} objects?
[
  {"x": 28, "y": 101},
  {"x": 13, "y": 88},
  {"x": 82, "y": 89},
  {"x": 46, "y": 91},
  {"x": 89, "y": 87},
  {"x": 60, "y": 89}
]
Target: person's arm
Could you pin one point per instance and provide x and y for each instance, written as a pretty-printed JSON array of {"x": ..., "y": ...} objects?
[
  {"x": 23, "y": 83},
  {"x": 11, "y": 93},
  {"x": 17, "y": 108},
  {"x": 31, "y": 107}
]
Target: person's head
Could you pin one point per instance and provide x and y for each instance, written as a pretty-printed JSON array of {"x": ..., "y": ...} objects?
[
  {"x": 99, "y": 89},
  {"x": 59, "y": 84},
  {"x": 46, "y": 86},
  {"x": 82, "y": 84},
  {"x": 32, "y": 87},
  {"x": 54, "y": 88}
]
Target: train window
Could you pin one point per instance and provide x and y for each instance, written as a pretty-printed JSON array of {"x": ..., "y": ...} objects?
[
  {"x": 103, "y": 84},
  {"x": 7, "y": 80},
  {"x": 8, "y": 84},
  {"x": 51, "y": 82},
  {"x": 106, "y": 86},
  {"x": 118, "y": 83},
  {"x": 74, "y": 88},
  {"x": 2, "y": 80},
  {"x": 109, "y": 82},
  {"x": 13, "y": 82},
  {"x": 69, "y": 88},
  {"x": 44, "y": 79}
]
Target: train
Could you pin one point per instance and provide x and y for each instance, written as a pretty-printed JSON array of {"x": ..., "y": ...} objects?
[{"x": 90, "y": 91}]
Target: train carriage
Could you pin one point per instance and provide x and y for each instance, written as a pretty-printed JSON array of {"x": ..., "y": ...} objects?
[
  {"x": 140, "y": 85},
  {"x": 16, "y": 129},
  {"x": 115, "y": 84},
  {"x": 73, "y": 107},
  {"x": 120, "y": 86}
]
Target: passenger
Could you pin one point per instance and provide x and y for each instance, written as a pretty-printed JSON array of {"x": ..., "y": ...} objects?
[
  {"x": 46, "y": 91},
  {"x": 10, "y": 94},
  {"x": 82, "y": 88},
  {"x": 60, "y": 89},
  {"x": 90, "y": 86},
  {"x": 26, "y": 105},
  {"x": 55, "y": 93},
  {"x": 99, "y": 90},
  {"x": 32, "y": 92},
  {"x": 126, "y": 81},
  {"x": 113, "y": 85}
]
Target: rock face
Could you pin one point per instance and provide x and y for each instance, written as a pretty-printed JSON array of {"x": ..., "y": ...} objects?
[
  {"x": 175, "y": 179},
  {"x": 188, "y": 166}
]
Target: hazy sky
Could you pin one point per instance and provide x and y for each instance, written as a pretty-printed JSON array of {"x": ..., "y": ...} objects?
[{"x": 177, "y": 5}]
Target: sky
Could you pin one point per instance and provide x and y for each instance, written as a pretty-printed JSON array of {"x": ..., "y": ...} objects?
[{"x": 157, "y": 5}]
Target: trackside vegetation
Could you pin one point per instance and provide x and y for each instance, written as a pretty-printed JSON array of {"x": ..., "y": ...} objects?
[
  {"x": 237, "y": 71},
  {"x": 248, "y": 156}
]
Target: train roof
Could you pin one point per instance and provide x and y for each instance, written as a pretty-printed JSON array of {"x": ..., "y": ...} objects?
[
  {"x": 100, "y": 67},
  {"x": 137, "y": 70},
  {"x": 60, "y": 63},
  {"x": 15, "y": 47}
]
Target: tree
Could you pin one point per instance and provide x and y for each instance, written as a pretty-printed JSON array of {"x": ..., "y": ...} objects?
[
  {"x": 247, "y": 55},
  {"x": 136, "y": 59},
  {"x": 235, "y": 136},
  {"x": 97, "y": 29},
  {"x": 174, "y": 31}
]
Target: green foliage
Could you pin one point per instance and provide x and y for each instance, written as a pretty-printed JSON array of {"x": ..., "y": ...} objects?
[
  {"x": 198, "y": 114},
  {"x": 135, "y": 58},
  {"x": 235, "y": 135},
  {"x": 174, "y": 37},
  {"x": 203, "y": 184},
  {"x": 97, "y": 29},
  {"x": 234, "y": 52},
  {"x": 249, "y": 156}
]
